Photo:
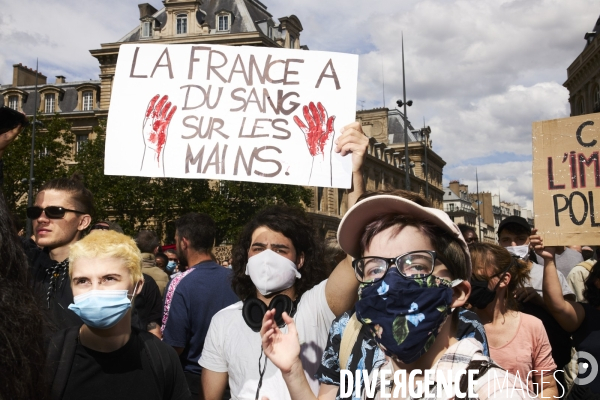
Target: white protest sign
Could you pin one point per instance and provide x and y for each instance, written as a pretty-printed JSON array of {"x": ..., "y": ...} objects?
[{"x": 234, "y": 113}]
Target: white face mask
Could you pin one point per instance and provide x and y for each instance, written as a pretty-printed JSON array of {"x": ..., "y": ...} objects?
[
  {"x": 520, "y": 251},
  {"x": 271, "y": 272}
]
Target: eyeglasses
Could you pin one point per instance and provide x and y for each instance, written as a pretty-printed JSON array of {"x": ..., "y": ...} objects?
[
  {"x": 52, "y": 212},
  {"x": 99, "y": 227},
  {"x": 411, "y": 265}
]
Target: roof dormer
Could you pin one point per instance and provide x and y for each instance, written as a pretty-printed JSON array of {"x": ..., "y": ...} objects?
[{"x": 224, "y": 20}]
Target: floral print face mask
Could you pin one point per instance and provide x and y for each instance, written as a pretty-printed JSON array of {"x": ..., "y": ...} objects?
[{"x": 405, "y": 315}]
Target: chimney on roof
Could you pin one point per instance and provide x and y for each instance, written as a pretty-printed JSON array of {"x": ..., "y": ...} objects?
[
  {"x": 455, "y": 187},
  {"x": 60, "y": 79},
  {"x": 23, "y": 76},
  {"x": 146, "y": 10}
]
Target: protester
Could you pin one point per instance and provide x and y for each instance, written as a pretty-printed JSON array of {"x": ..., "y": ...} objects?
[
  {"x": 496, "y": 276},
  {"x": 513, "y": 235},
  {"x": 408, "y": 297},
  {"x": 580, "y": 272},
  {"x": 22, "y": 353},
  {"x": 173, "y": 263},
  {"x": 580, "y": 319},
  {"x": 161, "y": 261},
  {"x": 147, "y": 305},
  {"x": 365, "y": 353},
  {"x": 60, "y": 215},
  {"x": 148, "y": 243},
  {"x": 196, "y": 295},
  {"x": 105, "y": 357},
  {"x": 468, "y": 233},
  {"x": 278, "y": 263}
]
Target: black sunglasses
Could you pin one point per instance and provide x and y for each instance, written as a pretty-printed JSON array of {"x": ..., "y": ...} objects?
[
  {"x": 99, "y": 227},
  {"x": 52, "y": 212}
]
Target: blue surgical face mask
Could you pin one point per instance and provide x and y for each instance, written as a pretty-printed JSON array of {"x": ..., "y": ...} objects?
[
  {"x": 102, "y": 309},
  {"x": 171, "y": 265}
]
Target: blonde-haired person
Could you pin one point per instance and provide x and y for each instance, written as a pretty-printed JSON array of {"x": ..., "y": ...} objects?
[
  {"x": 517, "y": 341},
  {"x": 105, "y": 357}
]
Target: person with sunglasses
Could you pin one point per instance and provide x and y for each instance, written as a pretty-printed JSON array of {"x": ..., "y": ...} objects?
[
  {"x": 518, "y": 342},
  {"x": 413, "y": 266},
  {"x": 60, "y": 215}
]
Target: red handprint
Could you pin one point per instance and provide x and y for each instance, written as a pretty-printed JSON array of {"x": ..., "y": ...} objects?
[
  {"x": 156, "y": 124},
  {"x": 320, "y": 127}
]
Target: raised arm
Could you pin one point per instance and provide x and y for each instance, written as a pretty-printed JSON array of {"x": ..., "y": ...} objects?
[
  {"x": 342, "y": 286},
  {"x": 354, "y": 141},
  {"x": 568, "y": 314},
  {"x": 283, "y": 350}
]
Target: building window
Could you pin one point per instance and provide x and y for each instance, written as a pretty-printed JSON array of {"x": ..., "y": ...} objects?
[
  {"x": 81, "y": 141},
  {"x": 292, "y": 42},
  {"x": 181, "y": 24},
  {"x": 147, "y": 29},
  {"x": 597, "y": 99},
  {"x": 270, "y": 32},
  {"x": 581, "y": 106},
  {"x": 88, "y": 101},
  {"x": 50, "y": 105},
  {"x": 223, "y": 25},
  {"x": 13, "y": 102}
]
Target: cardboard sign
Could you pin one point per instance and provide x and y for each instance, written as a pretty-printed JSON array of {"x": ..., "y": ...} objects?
[
  {"x": 235, "y": 113},
  {"x": 566, "y": 180}
]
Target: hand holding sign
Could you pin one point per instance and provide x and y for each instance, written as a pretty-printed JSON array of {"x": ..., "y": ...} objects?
[
  {"x": 156, "y": 126},
  {"x": 318, "y": 135}
]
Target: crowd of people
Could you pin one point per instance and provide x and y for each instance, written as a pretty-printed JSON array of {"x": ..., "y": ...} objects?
[{"x": 89, "y": 312}]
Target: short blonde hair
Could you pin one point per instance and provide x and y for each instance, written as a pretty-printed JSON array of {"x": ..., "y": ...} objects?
[{"x": 109, "y": 244}]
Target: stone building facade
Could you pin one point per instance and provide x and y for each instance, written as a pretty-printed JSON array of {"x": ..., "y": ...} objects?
[{"x": 583, "y": 76}]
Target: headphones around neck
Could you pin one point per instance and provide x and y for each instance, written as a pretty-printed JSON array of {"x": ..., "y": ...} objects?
[{"x": 255, "y": 309}]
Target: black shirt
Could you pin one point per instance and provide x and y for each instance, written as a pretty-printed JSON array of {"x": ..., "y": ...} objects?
[
  {"x": 587, "y": 338},
  {"x": 122, "y": 374}
]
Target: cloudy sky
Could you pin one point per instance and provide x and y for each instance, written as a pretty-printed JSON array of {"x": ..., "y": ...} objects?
[{"x": 479, "y": 71}]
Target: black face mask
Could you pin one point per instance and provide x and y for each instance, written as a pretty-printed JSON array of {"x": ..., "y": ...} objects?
[{"x": 481, "y": 296}]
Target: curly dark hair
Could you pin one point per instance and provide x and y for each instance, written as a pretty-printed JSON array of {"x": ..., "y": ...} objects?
[
  {"x": 22, "y": 354},
  {"x": 293, "y": 224},
  {"x": 591, "y": 292}
]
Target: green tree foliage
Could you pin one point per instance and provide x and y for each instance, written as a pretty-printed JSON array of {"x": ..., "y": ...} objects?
[
  {"x": 53, "y": 147},
  {"x": 138, "y": 202}
]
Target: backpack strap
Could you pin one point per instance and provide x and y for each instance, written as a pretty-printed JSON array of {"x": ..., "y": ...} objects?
[
  {"x": 59, "y": 360},
  {"x": 482, "y": 366},
  {"x": 349, "y": 337},
  {"x": 159, "y": 362}
]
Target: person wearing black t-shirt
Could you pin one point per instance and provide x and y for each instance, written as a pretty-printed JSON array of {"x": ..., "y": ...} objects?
[
  {"x": 105, "y": 358},
  {"x": 580, "y": 319}
]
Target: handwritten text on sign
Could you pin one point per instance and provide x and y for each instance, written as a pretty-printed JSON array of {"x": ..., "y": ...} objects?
[
  {"x": 566, "y": 172},
  {"x": 234, "y": 113}
]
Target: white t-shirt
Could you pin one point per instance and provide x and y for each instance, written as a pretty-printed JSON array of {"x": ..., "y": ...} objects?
[
  {"x": 537, "y": 277},
  {"x": 232, "y": 347}
]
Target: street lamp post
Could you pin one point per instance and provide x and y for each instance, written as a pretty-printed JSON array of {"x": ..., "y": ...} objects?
[
  {"x": 406, "y": 162},
  {"x": 424, "y": 132},
  {"x": 30, "y": 192}
]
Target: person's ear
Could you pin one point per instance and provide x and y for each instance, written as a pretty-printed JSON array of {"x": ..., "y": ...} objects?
[
  {"x": 460, "y": 294},
  {"x": 505, "y": 280},
  {"x": 184, "y": 244},
  {"x": 139, "y": 287},
  {"x": 84, "y": 221},
  {"x": 300, "y": 260}
]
